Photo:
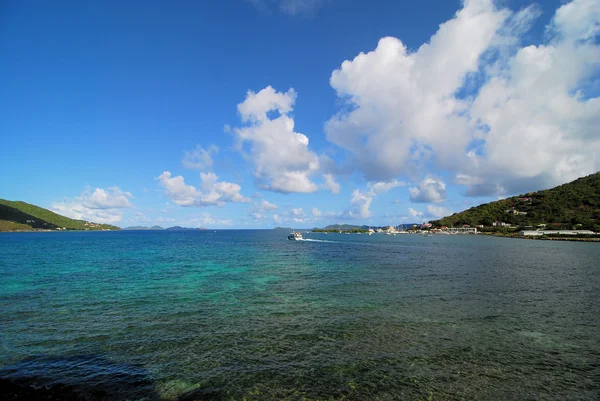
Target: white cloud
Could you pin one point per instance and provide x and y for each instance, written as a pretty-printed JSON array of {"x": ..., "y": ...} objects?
[
  {"x": 377, "y": 188},
  {"x": 578, "y": 20},
  {"x": 100, "y": 206},
  {"x": 200, "y": 158},
  {"x": 140, "y": 216},
  {"x": 530, "y": 118},
  {"x": 290, "y": 7},
  {"x": 281, "y": 157},
  {"x": 414, "y": 213},
  {"x": 542, "y": 126},
  {"x": 466, "y": 179},
  {"x": 438, "y": 211},
  {"x": 360, "y": 203},
  {"x": 266, "y": 205},
  {"x": 211, "y": 192},
  {"x": 331, "y": 184},
  {"x": 429, "y": 190},
  {"x": 402, "y": 107},
  {"x": 258, "y": 215},
  {"x": 113, "y": 198},
  {"x": 299, "y": 216},
  {"x": 294, "y": 215},
  {"x": 259, "y": 210}
]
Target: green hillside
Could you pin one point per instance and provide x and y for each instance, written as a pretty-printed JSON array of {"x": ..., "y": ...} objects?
[
  {"x": 35, "y": 217},
  {"x": 575, "y": 204}
]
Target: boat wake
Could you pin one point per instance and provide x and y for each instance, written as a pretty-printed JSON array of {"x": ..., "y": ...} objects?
[{"x": 314, "y": 240}]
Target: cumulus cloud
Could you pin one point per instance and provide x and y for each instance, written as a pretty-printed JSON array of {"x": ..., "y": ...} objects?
[
  {"x": 259, "y": 210},
  {"x": 266, "y": 205},
  {"x": 360, "y": 203},
  {"x": 541, "y": 122},
  {"x": 376, "y": 188},
  {"x": 401, "y": 104},
  {"x": 414, "y": 213},
  {"x": 211, "y": 191},
  {"x": 113, "y": 198},
  {"x": 475, "y": 103},
  {"x": 293, "y": 215},
  {"x": 200, "y": 158},
  {"x": 299, "y": 216},
  {"x": 100, "y": 206},
  {"x": 281, "y": 157},
  {"x": 140, "y": 216},
  {"x": 331, "y": 184},
  {"x": 438, "y": 211},
  {"x": 429, "y": 190}
]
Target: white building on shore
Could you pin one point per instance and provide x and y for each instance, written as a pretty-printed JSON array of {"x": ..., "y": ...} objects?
[{"x": 538, "y": 233}]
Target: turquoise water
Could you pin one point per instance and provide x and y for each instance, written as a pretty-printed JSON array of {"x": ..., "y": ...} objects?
[{"x": 233, "y": 315}]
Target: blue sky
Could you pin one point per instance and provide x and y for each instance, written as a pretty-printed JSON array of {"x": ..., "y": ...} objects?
[{"x": 253, "y": 114}]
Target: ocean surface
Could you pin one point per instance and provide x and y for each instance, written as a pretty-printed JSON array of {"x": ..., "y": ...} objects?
[{"x": 249, "y": 315}]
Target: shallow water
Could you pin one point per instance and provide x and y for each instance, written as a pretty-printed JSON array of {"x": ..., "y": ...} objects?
[{"x": 250, "y": 315}]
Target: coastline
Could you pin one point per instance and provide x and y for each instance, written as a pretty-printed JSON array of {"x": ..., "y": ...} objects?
[{"x": 544, "y": 238}]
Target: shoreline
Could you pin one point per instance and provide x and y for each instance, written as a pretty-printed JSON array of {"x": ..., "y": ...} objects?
[{"x": 575, "y": 239}]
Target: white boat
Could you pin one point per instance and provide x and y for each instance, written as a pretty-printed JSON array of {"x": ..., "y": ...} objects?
[{"x": 295, "y": 236}]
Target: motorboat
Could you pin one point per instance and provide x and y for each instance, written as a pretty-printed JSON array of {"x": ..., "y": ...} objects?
[{"x": 295, "y": 236}]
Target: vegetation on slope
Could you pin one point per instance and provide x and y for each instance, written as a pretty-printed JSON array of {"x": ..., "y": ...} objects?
[
  {"x": 12, "y": 226},
  {"x": 39, "y": 218},
  {"x": 575, "y": 204}
]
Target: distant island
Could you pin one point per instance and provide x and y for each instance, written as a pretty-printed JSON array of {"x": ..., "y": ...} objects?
[
  {"x": 22, "y": 216},
  {"x": 142, "y": 228},
  {"x": 178, "y": 228}
]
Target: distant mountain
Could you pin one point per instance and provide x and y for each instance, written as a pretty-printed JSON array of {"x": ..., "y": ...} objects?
[
  {"x": 179, "y": 228},
  {"x": 573, "y": 204},
  {"x": 17, "y": 216},
  {"x": 142, "y": 228},
  {"x": 344, "y": 227}
]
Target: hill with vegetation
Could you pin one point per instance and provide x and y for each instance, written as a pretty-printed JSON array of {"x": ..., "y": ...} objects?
[
  {"x": 21, "y": 216},
  {"x": 572, "y": 205},
  {"x": 345, "y": 227}
]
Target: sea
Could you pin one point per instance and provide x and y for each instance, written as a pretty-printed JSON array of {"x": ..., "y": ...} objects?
[{"x": 250, "y": 315}]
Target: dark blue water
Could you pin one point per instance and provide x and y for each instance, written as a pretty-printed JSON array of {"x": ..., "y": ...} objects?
[{"x": 237, "y": 315}]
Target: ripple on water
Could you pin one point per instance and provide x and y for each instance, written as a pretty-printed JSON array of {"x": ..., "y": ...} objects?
[{"x": 249, "y": 315}]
